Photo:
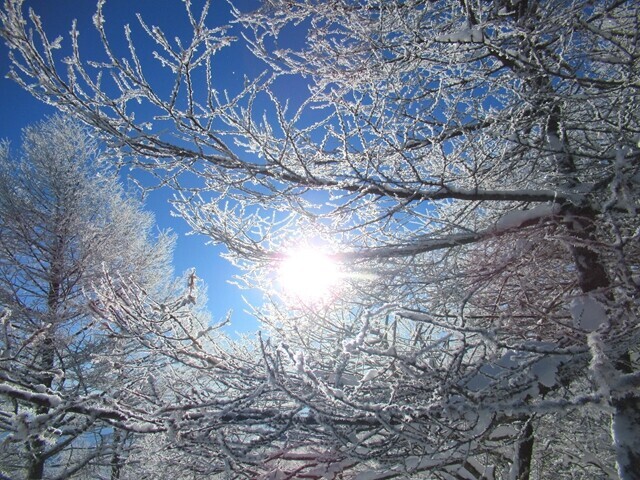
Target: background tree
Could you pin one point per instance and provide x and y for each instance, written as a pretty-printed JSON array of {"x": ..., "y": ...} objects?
[
  {"x": 64, "y": 222},
  {"x": 472, "y": 166},
  {"x": 213, "y": 409}
]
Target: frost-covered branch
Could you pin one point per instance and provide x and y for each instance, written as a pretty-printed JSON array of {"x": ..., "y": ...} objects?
[{"x": 472, "y": 167}]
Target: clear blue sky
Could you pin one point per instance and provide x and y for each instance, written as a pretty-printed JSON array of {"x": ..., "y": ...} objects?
[{"x": 18, "y": 109}]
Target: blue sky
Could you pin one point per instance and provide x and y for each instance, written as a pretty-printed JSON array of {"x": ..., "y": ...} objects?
[{"x": 18, "y": 109}]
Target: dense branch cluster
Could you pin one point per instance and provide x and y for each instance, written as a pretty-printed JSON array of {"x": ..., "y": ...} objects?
[{"x": 474, "y": 168}]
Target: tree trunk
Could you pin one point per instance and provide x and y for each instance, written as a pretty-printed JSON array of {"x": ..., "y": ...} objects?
[
  {"x": 625, "y": 428},
  {"x": 36, "y": 462},
  {"x": 592, "y": 276},
  {"x": 115, "y": 458},
  {"x": 521, "y": 467},
  {"x": 46, "y": 364},
  {"x": 36, "y": 446},
  {"x": 625, "y": 419}
]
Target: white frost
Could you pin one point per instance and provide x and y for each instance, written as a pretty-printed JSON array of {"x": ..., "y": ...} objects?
[
  {"x": 588, "y": 313},
  {"x": 504, "y": 431},
  {"x": 516, "y": 218},
  {"x": 465, "y": 35},
  {"x": 299, "y": 361},
  {"x": 545, "y": 370},
  {"x": 370, "y": 375},
  {"x": 602, "y": 370}
]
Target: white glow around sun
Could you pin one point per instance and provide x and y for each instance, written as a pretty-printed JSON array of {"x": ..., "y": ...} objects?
[{"x": 308, "y": 275}]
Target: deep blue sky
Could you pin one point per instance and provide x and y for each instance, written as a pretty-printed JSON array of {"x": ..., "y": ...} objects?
[{"x": 18, "y": 109}]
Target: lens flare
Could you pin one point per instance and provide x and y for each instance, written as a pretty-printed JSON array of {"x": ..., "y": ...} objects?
[{"x": 308, "y": 275}]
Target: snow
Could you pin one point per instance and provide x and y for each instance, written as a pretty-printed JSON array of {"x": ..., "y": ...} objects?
[
  {"x": 299, "y": 361},
  {"x": 491, "y": 371},
  {"x": 21, "y": 428},
  {"x": 140, "y": 427},
  {"x": 487, "y": 471},
  {"x": 624, "y": 427},
  {"x": 463, "y": 473},
  {"x": 352, "y": 346},
  {"x": 602, "y": 370},
  {"x": 52, "y": 400},
  {"x": 554, "y": 142},
  {"x": 465, "y": 35},
  {"x": 329, "y": 471},
  {"x": 588, "y": 313},
  {"x": 545, "y": 370},
  {"x": 368, "y": 475},
  {"x": 336, "y": 392},
  {"x": 542, "y": 370},
  {"x": 516, "y": 218},
  {"x": 412, "y": 462},
  {"x": 370, "y": 375},
  {"x": 504, "y": 431}
]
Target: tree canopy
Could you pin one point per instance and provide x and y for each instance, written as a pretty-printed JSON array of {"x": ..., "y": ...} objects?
[{"x": 471, "y": 168}]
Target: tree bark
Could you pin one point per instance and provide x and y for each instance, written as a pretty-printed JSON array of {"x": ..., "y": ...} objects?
[
  {"x": 36, "y": 446},
  {"x": 592, "y": 276},
  {"x": 625, "y": 428},
  {"x": 115, "y": 458},
  {"x": 625, "y": 419},
  {"x": 46, "y": 364},
  {"x": 521, "y": 467}
]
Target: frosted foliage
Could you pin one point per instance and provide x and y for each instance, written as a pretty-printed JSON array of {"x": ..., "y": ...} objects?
[
  {"x": 469, "y": 168},
  {"x": 64, "y": 223}
]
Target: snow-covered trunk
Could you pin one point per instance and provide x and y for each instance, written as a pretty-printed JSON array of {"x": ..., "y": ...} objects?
[
  {"x": 625, "y": 419},
  {"x": 37, "y": 446},
  {"x": 592, "y": 277},
  {"x": 625, "y": 426}
]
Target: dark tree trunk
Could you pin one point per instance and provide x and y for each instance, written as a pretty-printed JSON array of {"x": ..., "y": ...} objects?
[
  {"x": 625, "y": 428},
  {"x": 592, "y": 277},
  {"x": 36, "y": 463},
  {"x": 36, "y": 446},
  {"x": 590, "y": 269},
  {"x": 115, "y": 458},
  {"x": 625, "y": 419},
  {"x": 521, "y": 466},
  {"x": 46, "y": 362}
]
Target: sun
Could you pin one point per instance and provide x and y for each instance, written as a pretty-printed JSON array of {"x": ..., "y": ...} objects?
[{"x": 308, "y": 275}]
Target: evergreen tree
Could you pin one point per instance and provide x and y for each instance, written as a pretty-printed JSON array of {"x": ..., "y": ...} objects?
[{"x": 65, "y": 222}]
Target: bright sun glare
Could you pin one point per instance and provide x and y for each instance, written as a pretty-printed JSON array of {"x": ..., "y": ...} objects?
[{"x": 308, "y": 275}]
